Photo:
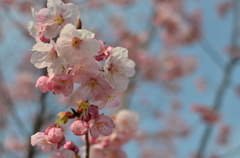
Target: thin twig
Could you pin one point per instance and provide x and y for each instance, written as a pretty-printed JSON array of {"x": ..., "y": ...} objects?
[
  {"x": 223, "y": 86},
  {"x": 38, "y": 122}
]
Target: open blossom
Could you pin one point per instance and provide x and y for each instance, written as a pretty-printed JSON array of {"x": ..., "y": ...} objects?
[
  {"x": 127, "y": 121},
  {"x": 40, "y": 140},
  {"x": 118, "y": 68},
  {"x": 57, "y": 14},
  {"x": 93, "y": 86},
  {"x": 111, "y": 99},
  {"x": 74, "y": 44},
  {"x": 65, "y": 153},
  {"x": 33, "y": 27},
  {"x": 46, "y": 55},
  {"x": 101, "y": 125},
  {"x": 79, "y": 127},
  {"x": 85, "y": 65}
]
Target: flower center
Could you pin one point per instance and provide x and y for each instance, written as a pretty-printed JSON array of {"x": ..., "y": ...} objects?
[
  {"x": 114, "y": 69},
  {"x": 92, "y": 84},
  {"x": 109, "y": 98},
  {"x": 44, "y": 141},
  {"x": 100, "y": 126},
  {"x": 82, "y": 67},
  {"x": 76, "y": 42},
  {"x": 53, "y": 54},
  {"x": 58, "y": 19}
]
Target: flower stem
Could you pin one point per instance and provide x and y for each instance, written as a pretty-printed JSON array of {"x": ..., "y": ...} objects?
[{"x": 87, "y": 145}]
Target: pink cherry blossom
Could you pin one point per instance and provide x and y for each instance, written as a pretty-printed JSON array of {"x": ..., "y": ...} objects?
[
  {"x": 118, "y": 68},
  {"x": 94, "y": 86},
  {"x": 98, "y": 151},
  {"x": 46, "y": 55},
  {"x": 44, "y": 84},
  {"x": 71, "y": 146},
  {"x": 74, "y": 44},
  {"x": 54, "y": 134},
  {"x": 101, "y": 125},
  {"x": 57, "y": 14},
  {"x": 93, "y": 111},
  {"x": 40, "y": 140},
  {"x": 79, "y": 127},
  {"x": 111, "y": 99},
  {"x": 85, "y": 65},
  {"x": 62, "y": 83},
  {"x": 65, "y": 153},
  {"x": 104, "y": 51},
  {"x": 127, "y": 121}
]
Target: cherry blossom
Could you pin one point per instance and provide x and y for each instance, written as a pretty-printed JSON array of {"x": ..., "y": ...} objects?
[
  {"x": 54, "y": 135},
  {"x": 71, "y": 146},
  {"x": 46, "y": 55},
  {"x": 74, "y": 44},
  {"x": 57, "y": 14},
  {"x": 65, "y": 153},
  {"x": 93, "y": 86},
  {"x": 40, "y": 140},
  {"x": 62, "y": 83},
  {"x": 79, "y": 127},
  {"x": 118, "y": 68},
  {"x": 101, "y": 125}
]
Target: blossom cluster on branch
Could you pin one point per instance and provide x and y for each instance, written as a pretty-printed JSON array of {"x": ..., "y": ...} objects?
[{"x": 72, "y": 55}]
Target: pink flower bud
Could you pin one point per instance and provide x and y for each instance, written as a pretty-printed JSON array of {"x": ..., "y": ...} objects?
[
  {"x": 93, "y": 111},
  {"x": 79, "y": 127},
  {"x": 44, "y": 84},
  {"x": 61, "y": 143},
  {"x": 87, "y": 117},
  {"x": 71, "y": 146},
  {"x": 54, "y": 134},
  {"x": 43, "y": 39}
]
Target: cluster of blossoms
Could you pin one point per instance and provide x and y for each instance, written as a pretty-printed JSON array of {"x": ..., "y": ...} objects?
[
  {"x": 126, "y": 128},
  {"x": 177, "y": 27},
  {"x": 72, "y": 55}
]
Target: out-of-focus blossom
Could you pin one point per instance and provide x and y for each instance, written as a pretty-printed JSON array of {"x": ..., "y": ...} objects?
[
  {"x": 201, "y": 84},
  {"x": 208, "y": 115},
  {"x": 71, "y": 146},
  {"x": 65, "y": 153},
  {"x": 223, "y": 7},
  {"x": 14, "y": 143},
  {"x": 223, "y": 136}
]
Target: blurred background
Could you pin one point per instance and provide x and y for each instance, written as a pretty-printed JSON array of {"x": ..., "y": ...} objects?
[{"x": 186, "y": 88}]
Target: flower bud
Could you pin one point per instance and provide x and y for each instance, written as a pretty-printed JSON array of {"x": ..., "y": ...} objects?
[
  {"x": 71, "y": 146},
  {"x": 93, "y": 111},
  {"x": 79, "y": 127},
  {"x": 44, "y": 40},
  {"x": 54, "y": 134}
]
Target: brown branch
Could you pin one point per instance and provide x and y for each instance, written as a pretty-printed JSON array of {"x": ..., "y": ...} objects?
[{"x": 87, "y": 145}]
